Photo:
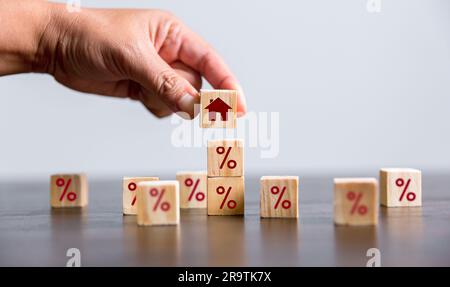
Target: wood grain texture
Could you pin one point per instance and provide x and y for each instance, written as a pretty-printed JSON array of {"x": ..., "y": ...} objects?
[
  {"x": 219, "y": 164},
  {"x": 229, "y": 97},
  {"x": 415, "y": 236},
  {"x": 193, "y": 189},
  {"x": 356, "y": 201},
  {"x": 68, "y": 190},
  {"x": 279, "y": 197},
  {"x": 153, "y": 197},
  {"x": 234, "y": 203},
  {"x": 129, "y": 190},
  {"x": 391, "y": 190}
]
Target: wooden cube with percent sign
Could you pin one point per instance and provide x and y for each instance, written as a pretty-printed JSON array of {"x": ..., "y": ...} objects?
[
  {"x": 129, "y": 190},
  {"x": 226, "y": 196},
  {"x": 279, "y": 197},
  {"x": 356, "y": 201},
  {"x": 400, "y": 187},
  {"x": 68, "y": 190},
  {"x": 225, "y": 158},
  {"x": 158, "y": 203},
  {"x": 218, "y": 108},
  {"x": 193, "y": 189}
]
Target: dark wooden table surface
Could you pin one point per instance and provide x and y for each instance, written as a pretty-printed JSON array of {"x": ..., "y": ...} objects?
[{"x": 32, "y": 234}]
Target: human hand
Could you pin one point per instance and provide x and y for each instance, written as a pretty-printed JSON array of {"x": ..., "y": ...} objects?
[{"x": 146, "y": 55}]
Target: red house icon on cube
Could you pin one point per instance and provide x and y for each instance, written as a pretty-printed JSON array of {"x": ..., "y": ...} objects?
[{"x": 217, "y": 106}]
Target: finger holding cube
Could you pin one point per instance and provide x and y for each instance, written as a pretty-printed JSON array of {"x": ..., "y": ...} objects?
[
  {"x": 218, "y": 108},
  {"x": 226, "y": 196}
]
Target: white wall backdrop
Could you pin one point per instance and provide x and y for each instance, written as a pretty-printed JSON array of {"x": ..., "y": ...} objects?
[{"x": 355, "y": 90}]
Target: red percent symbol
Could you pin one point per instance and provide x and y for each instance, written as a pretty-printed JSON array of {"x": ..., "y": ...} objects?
[
  {"x": 231, "y": 164},
  {"x": 132, "y": 187},
  {"x": 71, "y": 196},
  {"x": 200, "y": 196},
  {"x": 410, "y": 196},
  {"x": 164, "y": 206},
  {"x": 357, "y": 206},
  {"x": 231, "y": 204},
  {"x": 275, "y": 190}
]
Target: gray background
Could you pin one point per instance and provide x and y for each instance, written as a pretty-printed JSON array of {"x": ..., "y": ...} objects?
[{"x": 355, "y": 91}]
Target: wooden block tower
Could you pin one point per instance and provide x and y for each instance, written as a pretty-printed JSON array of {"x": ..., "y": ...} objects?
[{"x": 225, "y": 157}]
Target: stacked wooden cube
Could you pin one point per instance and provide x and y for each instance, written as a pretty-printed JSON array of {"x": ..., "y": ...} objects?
[
  {"x": 226, "y": 187},
  {"x": 226, "y": 177}
]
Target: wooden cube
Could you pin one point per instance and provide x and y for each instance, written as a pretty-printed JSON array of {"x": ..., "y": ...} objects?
[
  {"x": 279, "y": 196},
  {"x": 218, "y": 108},
  {"x": 226, "y": 196},
  {"x": 355, "y": 201},
  {"x": 400, "y": 187},
  {"x": 129, "y": 190},
  {"x": 193, "y": 189},
  {"x": 68, "y": 190},
  {"x": 158, "y": 203},
  {"x": 225, "y": 158}
]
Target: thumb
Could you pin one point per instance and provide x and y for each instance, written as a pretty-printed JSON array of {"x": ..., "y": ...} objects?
[{"x": 171, "y": 88}]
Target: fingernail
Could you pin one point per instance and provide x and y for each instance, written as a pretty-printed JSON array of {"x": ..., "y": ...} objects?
[{"x": 186, "y": 104}]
